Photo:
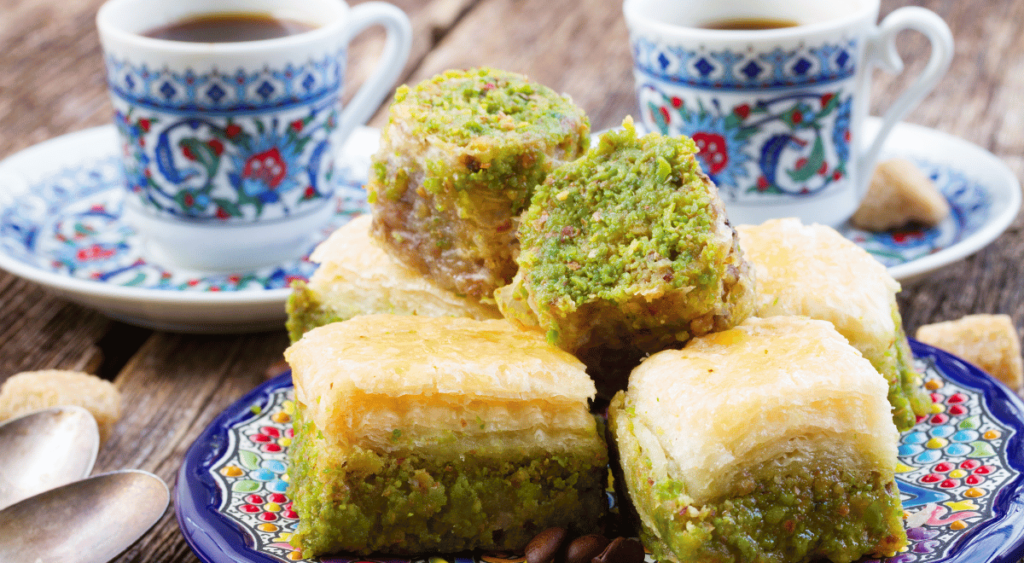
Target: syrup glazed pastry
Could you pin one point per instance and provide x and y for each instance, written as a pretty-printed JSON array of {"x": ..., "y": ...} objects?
[
  {"x": 417, "y": 434},
  {"x": 458, "y": 162},
  {"x": 356, "y": 277},
  {"x": 988, "y": 341},
  {"x": 814, "y": 271},
  {"x": 769, "y": 442},
  {"x": 626, "y": 252}
]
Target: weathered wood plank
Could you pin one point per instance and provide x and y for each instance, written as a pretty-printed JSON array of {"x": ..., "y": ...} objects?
[
  {"x": 580, "y": 48},
  {"x": 175, "y": 385},
  {"x": 172, "y": 389}
]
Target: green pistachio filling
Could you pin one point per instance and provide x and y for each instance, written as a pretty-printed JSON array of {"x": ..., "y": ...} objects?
[
  {"x": 801, "y": 515},
  {"x": 458, "y": 163},
  {"x": 627, "y": 244},
  {"x": 364, "y": 501},
  {"x": 306, "y": 311},
  {"x": 906, "y": 392}
]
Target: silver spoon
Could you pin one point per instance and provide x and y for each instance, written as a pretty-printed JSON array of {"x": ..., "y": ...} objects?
[
  {"x": 45, "y": 449},
  {"x": 89, "y": 521}
]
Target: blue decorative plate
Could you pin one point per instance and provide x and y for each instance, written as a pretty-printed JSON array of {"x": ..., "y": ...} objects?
[{"x": 959, "y": 472}]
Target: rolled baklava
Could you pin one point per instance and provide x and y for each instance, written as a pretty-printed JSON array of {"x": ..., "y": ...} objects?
[
  {"x": 356, "y": 277},
  {"x": 417, "y": 434},
  {"x": 627, "y": 251},
  {"x": 458, "y": 162},
  {"x": 769, "y": 442},
  {"x": 814, "y": 271}
]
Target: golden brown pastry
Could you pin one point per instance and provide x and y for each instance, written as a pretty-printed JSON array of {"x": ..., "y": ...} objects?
[
  {"x": 814, "y": 271},
  {"x": 417, "y": 434},
  {"x": 356, "y": 277},
  {"x": 771, "y": 442},
  {"x": 988, "y": 341}
]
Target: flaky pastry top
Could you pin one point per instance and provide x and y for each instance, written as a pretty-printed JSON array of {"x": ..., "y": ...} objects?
[
  {"x": 767, "y": 393},
  {"x": 814, "y": 271},
  {"x": 379, "y": 362}
]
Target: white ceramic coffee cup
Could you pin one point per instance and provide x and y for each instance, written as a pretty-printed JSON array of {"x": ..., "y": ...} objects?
[
  {"x": 229, "y": 147},
  {"x": 777, "y": 113}
]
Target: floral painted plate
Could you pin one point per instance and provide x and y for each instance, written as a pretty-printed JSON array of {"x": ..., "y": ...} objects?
[
  {"x": 61, "y": 226},
  {"x": 959, "y": 472}
]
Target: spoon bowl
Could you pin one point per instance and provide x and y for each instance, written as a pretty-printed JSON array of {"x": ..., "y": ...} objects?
[
  {"x": 89, "y": 521},
  {"x": 45, "y": 449}
]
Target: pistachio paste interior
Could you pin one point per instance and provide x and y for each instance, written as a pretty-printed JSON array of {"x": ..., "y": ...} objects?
[
  {"x": 803, "y": 514},
  {"x": 362, "y": 501}
]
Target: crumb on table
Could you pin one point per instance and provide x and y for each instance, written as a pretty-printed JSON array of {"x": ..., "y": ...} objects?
[{"x": 35, "y": 390}]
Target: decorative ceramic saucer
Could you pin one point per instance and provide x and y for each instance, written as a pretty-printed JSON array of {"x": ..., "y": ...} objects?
[
  {"x": 61, "y": 226},
  {"x": 959, "y": 472},
  {"x": 983, "y": 193}
]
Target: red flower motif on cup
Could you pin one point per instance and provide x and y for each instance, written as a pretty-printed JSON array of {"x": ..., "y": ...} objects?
[
  {"x": 267, "y": 167},
  {"x": 94, "y": 252},
  {"x": 714, "y": 150}
]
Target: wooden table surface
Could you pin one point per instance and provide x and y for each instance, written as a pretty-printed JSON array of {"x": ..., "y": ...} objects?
[{"x": 52, "y": 83}]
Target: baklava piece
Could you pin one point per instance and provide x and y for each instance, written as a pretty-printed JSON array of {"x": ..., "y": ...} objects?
[
  {"x": 899, "y": 194},
  {"x": 426, "y": 435},
  {"x": 769, "y": 442},
  {"x": 458, "y": 162},
  {"x": 988, "y": 341},
  {"x": 627, "y": 251},
  {"x": 814, "y": 271},
  {"x": 356, "y": 277}
]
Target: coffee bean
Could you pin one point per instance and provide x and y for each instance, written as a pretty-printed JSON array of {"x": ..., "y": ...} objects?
[
  {"x": 543, "y": 547},
  {"x": 585, "y": 548},
  {"x": 621, "y": 550}
]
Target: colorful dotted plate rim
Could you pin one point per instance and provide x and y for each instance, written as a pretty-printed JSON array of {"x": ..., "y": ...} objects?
[{"x": 995, "y": 535}]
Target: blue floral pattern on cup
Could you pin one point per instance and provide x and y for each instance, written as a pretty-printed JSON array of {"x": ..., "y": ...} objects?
[
  {"x": 795, "y": 144},
  {"x": 260, "y": 149},
  {"x": 729, "y": 70},
  {"x": 214, "y": 92},
  {"x": 768, "y": 124},
  {"x": 70, "y": 223}
]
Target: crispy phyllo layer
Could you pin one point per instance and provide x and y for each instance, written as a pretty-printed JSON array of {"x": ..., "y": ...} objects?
[
  {"x": 458, "y": 162},
  {"x": 816, "y": 272},
  {"x": 626, "y": 252},
  {"x": 356, "y": 277},
  {"x": 768, "y": 442},
  {"x": 439, "y": 434}
]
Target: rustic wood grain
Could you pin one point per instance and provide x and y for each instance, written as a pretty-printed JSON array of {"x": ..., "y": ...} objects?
[
  {"x": 172, "y": 388},
  {"x": 51, "y": 83},
  {"x": 580, "y": 48}
]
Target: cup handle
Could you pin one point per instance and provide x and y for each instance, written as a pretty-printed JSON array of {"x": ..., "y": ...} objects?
[
  {"x": 389, "y": 68},
  {"x": 882, "y": 51}
]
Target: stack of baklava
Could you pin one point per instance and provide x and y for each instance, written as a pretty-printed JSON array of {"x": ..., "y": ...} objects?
[{"x": 749, "y": 424}]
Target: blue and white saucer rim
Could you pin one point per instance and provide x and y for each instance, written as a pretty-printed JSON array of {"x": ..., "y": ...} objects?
[
  {"x": 981, "y": 167},
  {"x": 158, "y": 308},
  {"x": 13, "y": 172},
  {"x": 262, "y": 309},
  {"x": 987, "y": 201}
]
